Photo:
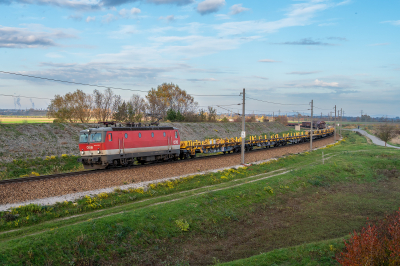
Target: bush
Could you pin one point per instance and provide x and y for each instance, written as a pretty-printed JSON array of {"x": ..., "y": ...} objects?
[
  {"x": 58, "y": 120},
  {"x": 375, "y": 245},
  {"x": 282, "y": 119},
  {"x": 173, "y": 116}
]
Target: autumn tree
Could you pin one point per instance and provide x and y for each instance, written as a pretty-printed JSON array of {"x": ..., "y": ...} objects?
[
  {"x": 386, "y": 132},
  {"x": 72, "y": 107},
  {"x": 282, "y": 119},
  {"x": 169, "y": 96},
  {"x": 251, "y": 118}
]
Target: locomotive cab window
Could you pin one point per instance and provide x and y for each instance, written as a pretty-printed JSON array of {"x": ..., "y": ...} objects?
[
  {"x": 152, "y": 134},
  {"x": 140, "y": 135},
  {"x": 83, "y": 138},
  {"x": 176, "y": 134},
  {"x": 126, "y": 135},
  {"x": 109, "y": 137},
  {"x": 164, "y": 134},
  {"x": 95, "y": 137}
]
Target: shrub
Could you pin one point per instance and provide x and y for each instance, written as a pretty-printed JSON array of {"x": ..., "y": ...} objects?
[
  {"x": 377, "y": 244},
  {"x": 183, "y": 225}
]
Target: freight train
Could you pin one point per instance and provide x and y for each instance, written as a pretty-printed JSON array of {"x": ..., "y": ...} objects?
[
  {"x": 316, "y": 124},
  {"x": 105, "y": 147}
]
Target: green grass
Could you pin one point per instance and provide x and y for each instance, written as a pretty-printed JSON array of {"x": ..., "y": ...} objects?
[
  {"x": 39, "y": 166},
  {"x": 318, "y": 254},
  {"x": 233, "y": 218}
]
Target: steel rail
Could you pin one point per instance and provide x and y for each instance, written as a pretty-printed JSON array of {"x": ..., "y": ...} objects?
[{"x": 54, "y": 176}]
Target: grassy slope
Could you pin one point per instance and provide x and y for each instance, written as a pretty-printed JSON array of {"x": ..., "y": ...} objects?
[{"x": 312, "y": 203}]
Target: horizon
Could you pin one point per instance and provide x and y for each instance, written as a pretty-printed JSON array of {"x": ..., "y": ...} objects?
[{"x": 335, "y": 52}]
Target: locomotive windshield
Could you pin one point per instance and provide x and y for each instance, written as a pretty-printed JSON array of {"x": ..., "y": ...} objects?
[
  {"x": 83, "y": 138},
  {"x": 95, "y": 137}
]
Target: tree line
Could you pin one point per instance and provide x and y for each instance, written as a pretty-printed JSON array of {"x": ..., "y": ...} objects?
[{"x": 167, "y": 102}]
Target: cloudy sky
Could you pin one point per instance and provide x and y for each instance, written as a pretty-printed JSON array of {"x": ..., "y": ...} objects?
[{"x": 343, "y": 52}]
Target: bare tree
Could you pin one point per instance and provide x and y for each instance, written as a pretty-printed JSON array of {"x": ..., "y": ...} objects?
[
  {"x": 212, "y": 114},
  {"x": 103, "y": 104},
  {"x": 386, "y": 132},
  {"x": 138, "y": 106}
]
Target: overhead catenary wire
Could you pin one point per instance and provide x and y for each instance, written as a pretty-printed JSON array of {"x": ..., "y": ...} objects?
[
  {"x": 273, "y": 102},
  {"x": 101, "y": 86}
]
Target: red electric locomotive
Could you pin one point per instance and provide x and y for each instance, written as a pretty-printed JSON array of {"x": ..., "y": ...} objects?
[{"x": 104, "y": 147}]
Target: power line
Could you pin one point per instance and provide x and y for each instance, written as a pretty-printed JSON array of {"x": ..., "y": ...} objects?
[
  {"x": 227, "y": 110},
  {"x": 24, "y": 97},
  {"x": 322, "y": 109},
  {"x": 70, "y": 82},
  {"x": 100, "y": 86},
  {"x": 273, "y": 102},
  {"x": 213, "y": 95}
]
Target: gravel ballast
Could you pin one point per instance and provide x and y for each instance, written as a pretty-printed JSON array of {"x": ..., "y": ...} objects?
[{"x": 28, "y": 191}]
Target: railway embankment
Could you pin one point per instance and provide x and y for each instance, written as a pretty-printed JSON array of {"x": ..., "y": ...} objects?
[
  {"x": 21, "y": 192},
  {"x": 23, "y": 141},
  {"x": 282, "y": 217}
]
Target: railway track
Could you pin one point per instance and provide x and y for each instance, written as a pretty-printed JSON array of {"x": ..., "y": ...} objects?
[{"x": 61, "y": 175}]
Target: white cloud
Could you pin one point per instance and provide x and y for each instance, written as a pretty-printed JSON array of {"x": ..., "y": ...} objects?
[
  {"x": 124, "y": 31},
  {"x": 346, "y": 2},
  {"x": 299, "y": 15},
  {"x": 222, "y": 16},
  {"x": 260, "y": 77},
  {"x": 88, "y": 19},
  {"x": 303, "y": 72},
  {"x": 210, "y": 6},
  {"x": 268, "y": 61},
  {"x": 321, "y": 83},
  {"x": 126, "y": 13},
  {"x": 380, "y": 44},
  {"x": 123, "y": 12},
  {"x": 109, "y": 17},
  {"x": 393, "y": 22},
  {"x": 238, "y": 8},
  {"x": 135, "y": 11},
  {"x": 177, "y": 2},
  {"x": 33, "y": 36},
  {"x": 169, "y": 18},
  {"x": 54, "y": 55},
  {"x": 197, "y": 80}
]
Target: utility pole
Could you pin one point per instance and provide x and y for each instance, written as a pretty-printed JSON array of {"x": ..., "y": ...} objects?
[
  {"x": 273, "y": 116},
  {"x": 341, "y": 120},
  {"x": 335, "y": 125},
  {"x": 361, "y": 116},
  {"x": 311, "y": 130},
  {"x": 243, "y": 126}
]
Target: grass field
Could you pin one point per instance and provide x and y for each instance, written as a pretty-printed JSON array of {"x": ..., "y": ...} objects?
[
  {"x": 21, "y": 120},
  {"x": 294, "y": 211}
]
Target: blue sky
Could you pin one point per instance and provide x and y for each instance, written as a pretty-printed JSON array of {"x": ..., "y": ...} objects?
[{"x": 343, "y": 52}]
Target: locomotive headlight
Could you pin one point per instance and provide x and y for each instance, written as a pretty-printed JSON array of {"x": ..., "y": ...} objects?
[
  {"x": 82, "y": 152},
  {"x": 98, "y": 151}
]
